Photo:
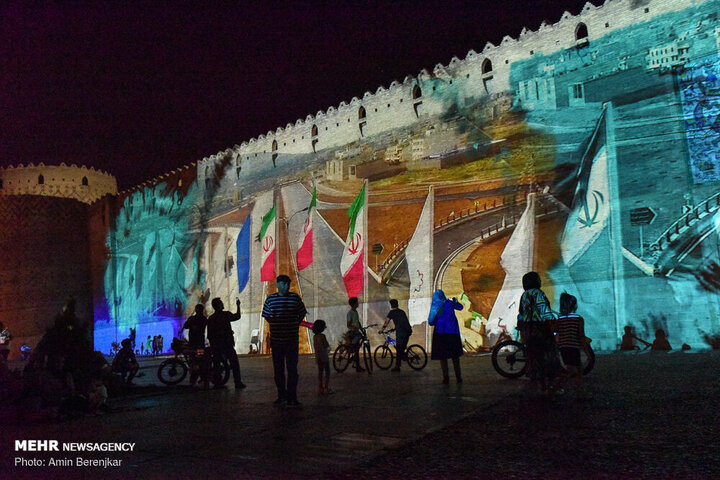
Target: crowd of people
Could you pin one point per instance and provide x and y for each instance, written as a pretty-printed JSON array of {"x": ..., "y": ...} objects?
[
  {"x": 64, "y": 371},
  {"x": 152, "y": 346},
  {"x": 285, "y": 313}
]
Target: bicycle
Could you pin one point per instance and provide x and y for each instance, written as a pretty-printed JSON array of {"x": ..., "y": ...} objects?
[
  {"x": 384, "y": 356},
  {"x": 210, "y": 367},
  {"x": 509, "y": 358},
  {"x": 346, "y": 353}
]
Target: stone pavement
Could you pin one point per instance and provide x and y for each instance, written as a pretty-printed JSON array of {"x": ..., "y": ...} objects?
[{"x": 651, "y": 416}]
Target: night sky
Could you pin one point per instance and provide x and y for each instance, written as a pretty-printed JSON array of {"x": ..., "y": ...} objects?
[{"x": 138, "y": 89}]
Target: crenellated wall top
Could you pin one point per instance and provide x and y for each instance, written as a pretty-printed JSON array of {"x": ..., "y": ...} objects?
[
  {"x": 82, "y": 183},
  {"x": 548, "y": 38}
]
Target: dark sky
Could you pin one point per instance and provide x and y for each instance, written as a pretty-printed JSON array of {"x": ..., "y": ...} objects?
[{"x": 138, "y": 89}]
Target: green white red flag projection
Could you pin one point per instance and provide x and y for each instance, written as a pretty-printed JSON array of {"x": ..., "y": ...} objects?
[
  {"x": 304, "y": 255},
  {"x": 352, "y": 263},
  {"x": 419, "y": 257},
  {"x": 268, "y": 242}
]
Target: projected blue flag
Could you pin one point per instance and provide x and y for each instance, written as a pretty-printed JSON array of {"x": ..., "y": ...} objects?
[{"x": 243, "y": 255}]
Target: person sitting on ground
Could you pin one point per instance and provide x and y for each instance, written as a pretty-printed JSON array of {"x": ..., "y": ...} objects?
[
  {"x": 628, "y": 340},
  {"x": 125, "y": 362},
  {"x": 322, "y": 356},
  {"x": 660, "y": 344},
  {"x": 354, "y": 333}
]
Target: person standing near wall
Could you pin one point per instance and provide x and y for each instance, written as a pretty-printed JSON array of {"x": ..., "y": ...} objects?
[
  {"x": 222, "y": 339},
  {"x": 195, "y": 325},
  {"x": 354, "y": 330},
  {"x": 403, "y": 330},
  {"x": 284, "y": 311},
  {"x": 446, "y": 342}
]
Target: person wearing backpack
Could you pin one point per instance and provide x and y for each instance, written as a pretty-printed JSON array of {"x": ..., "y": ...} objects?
[{"x": 533, "y": 322}]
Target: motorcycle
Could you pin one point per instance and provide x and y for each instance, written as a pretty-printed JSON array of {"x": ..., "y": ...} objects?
[{"x": 203, "y": 363}]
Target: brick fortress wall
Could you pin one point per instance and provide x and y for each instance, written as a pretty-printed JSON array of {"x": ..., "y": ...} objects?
[{"x": 44, "y": 258}]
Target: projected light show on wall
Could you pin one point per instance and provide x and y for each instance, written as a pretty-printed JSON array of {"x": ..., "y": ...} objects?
[{"x": 588, "y": 151}]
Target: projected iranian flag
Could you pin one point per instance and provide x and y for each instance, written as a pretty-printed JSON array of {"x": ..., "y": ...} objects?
[
  {"x": 305, "y": 252},
  {"x": 268, "y": 241},
  {"x": 352, "y": 263}
]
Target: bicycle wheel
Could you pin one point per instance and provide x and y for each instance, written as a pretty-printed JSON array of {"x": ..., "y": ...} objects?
[
  {"x": 172, "y": 371},
  {"x": 384, "y": 357},
  {"x": 341, "y": 358},
  {"x": 367, "y": 357},
  {"x": 220, "y": 372},
  {"x": 416, "y": 357},
  {"x": 587, "y": 359},
  {"x": 509, "y": 359}
]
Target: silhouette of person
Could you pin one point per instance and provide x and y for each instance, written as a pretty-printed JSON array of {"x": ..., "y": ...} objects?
[
  {"x": 125, "y": 362},
  {"x": 222, "y": 339},
  {"x": 660, "y": 344},
  {"x": 4, "y": 341},
  {"x": 533, "y": 321},
  {"x": 284, "y": 310},
  {"x": 446, "y": 342},
  {"x": 322, "y": 356},
  {"x": 628, "y": 340},
  {"x": 570, "y": 339},
  {"x": 133, "y": 332},
  {"x": 354, "y": 332},
  {"x": 195, "y": 325},
  {"x": 403, "y": 330}
]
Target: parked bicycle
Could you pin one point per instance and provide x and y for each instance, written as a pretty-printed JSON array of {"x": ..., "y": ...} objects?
[
  {"x": 347, "y": 353},
  {"x": 210, "y": 368},
  {"x": 385, "y": 354},
  {"x": 509, "y": 358}
]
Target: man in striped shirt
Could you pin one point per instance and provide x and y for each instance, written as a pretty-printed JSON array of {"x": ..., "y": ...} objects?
[{"x": 284, "y": 311}]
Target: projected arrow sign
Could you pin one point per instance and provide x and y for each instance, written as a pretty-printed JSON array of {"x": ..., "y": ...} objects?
[{"x": 642, "y": 216}]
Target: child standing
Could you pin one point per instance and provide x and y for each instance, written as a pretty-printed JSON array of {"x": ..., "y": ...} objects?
[
  {"x": 322, "y": 356},
  {"x": 570, "y": 328}
]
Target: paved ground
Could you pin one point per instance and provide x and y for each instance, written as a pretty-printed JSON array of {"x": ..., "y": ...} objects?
[{"x": 651, "y": 416}]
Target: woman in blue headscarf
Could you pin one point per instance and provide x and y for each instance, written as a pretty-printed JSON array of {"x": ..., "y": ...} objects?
[{"x": 446, "y": 342}]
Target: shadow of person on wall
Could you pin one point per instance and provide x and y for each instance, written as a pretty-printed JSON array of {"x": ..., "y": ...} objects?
[{"x": 660, "y": 344}]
